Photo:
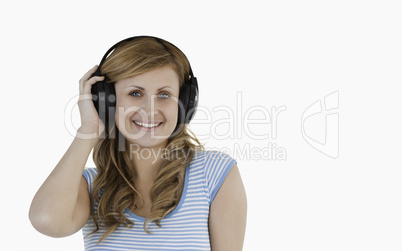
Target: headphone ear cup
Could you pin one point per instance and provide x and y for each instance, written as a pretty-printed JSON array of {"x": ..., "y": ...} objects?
[
  {"x": 188, "y": 101},
  {"x": 110, "y": 94},
  {"x": 104, "y": 99},
  {"x": 193, "y": 100},
  {"x": 183, "y": 103}
]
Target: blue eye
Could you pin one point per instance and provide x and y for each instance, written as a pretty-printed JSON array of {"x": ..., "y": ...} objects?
[
  {"x": 135, "y": 94},
  {"x": 164, "y": 96}
]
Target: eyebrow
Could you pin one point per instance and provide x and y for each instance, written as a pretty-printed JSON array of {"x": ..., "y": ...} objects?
[{"x": 142, "y": 89}]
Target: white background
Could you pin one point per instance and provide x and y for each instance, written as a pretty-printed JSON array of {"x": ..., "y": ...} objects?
[{"x": 274, "y": 53}]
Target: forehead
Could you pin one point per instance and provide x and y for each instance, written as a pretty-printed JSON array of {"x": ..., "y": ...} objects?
[{"x": 153, "y": 79}]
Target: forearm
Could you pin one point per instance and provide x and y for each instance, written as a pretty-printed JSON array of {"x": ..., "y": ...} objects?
[{"x": 55, "y": 201}]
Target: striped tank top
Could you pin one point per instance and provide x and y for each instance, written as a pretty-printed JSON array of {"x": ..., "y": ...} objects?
[{"x": 186, "y": 227}]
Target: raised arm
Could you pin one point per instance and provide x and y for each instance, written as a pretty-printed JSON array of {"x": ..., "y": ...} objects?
[{"x": 61, "y": 205}]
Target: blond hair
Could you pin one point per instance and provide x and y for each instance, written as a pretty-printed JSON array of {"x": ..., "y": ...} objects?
[{"x": 113, "y": 188}]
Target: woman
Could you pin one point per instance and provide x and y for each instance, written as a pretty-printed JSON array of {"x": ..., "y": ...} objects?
[{"x": 161, "y": 190}]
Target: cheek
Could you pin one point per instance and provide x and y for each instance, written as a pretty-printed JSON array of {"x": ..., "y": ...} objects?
[
  {"x": 124, "y": 110},
  {"x": 171, "y": 111}
]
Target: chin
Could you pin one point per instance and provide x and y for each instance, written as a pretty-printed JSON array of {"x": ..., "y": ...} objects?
[
  {"x": 148, "y": 140},
  {"x": 149, "y": 144},
  {"x": 148, "y": 137}
]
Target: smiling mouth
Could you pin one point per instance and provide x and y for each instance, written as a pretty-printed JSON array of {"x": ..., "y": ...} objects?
[{"x": 146, "y": 125}]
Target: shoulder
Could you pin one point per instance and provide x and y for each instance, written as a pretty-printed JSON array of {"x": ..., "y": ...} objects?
[
  {"x": 211, "y": 158},
  {"x": 212, "y": 162},
  {"x": 215, "y": 166},
  {"x": 89, "y": 175}
]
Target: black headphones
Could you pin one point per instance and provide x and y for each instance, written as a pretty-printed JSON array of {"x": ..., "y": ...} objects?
[{"x": 104, "y": 95}]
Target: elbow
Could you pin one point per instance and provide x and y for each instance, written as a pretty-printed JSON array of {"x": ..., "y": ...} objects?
[
  {"x": 41, "y": 222},
  {"x": 45, "y": 224}
]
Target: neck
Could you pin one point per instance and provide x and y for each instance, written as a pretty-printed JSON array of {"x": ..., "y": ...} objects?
[{"x": 146, "y": 162}]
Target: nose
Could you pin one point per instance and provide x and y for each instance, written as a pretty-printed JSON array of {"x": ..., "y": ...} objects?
[{"x": 149, "y": 107}]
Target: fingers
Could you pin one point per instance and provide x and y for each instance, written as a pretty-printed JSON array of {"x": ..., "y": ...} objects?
[
  {"x": 89, "y": 74},
  {"x": 88, "y": 84},
  {"x": 89, "y": 116},
  {"x": 87, "y": 81}
]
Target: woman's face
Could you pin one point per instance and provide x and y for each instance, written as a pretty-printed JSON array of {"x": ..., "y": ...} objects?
[{"x": 147, "y": 106}]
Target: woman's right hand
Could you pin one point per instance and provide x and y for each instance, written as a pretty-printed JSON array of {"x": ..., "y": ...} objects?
[{"x": 91, "y": 125}]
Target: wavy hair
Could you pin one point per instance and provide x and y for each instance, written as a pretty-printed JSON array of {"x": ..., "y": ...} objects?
[{"x": 113, "y": 188}]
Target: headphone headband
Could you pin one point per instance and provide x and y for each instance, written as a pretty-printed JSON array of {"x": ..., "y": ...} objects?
[{"x": 159, "y": 40}]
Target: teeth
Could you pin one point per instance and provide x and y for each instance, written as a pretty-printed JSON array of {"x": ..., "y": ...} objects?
[{"x": 146, "y": 125}]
